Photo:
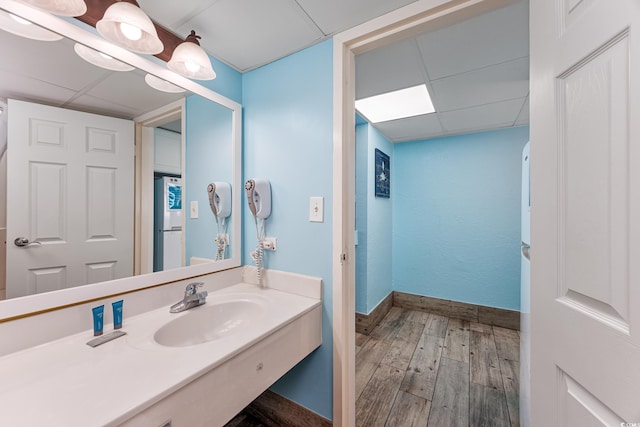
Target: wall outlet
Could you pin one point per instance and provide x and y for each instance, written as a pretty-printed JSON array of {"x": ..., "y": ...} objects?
[
  {"x": 270, "y": 243},
  {"x": 316, "y": 209}
]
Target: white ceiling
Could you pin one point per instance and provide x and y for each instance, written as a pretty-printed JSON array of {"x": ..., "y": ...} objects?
[
  {"x": 249, "y": 33},
  {"x": 476, "y": 71},
  {"x": 51, "y": 73}
]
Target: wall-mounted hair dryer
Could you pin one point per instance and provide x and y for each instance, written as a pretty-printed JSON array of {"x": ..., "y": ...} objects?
[
  {"x": 219, "y": 194},
  {"x": 259, "y": 200},
  {"x": 259, "y": 197},
  {"x": 220, "y": 199}
]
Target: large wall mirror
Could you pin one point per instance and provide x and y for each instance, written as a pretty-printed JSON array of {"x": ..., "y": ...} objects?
[{"x": 183, "y": 142}]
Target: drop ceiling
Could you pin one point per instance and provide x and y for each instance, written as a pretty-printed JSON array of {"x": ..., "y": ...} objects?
[
  {"x": 249, "y": 33},
  {"x": 51, "y": 73},
  {"x": 476, "y": 71}
]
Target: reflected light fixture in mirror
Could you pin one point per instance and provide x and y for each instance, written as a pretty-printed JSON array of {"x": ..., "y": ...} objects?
[
  {"x": 61, "y": 7},
  {"x": 23, "y": 28},
  {"x": 190, "y": 60},
  {"x": 162, "y": 85},
  {"x": 126, "y": 25},
  {"x": 100, "y": 59}
]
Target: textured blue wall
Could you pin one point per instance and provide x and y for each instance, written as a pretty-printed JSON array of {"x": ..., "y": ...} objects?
[
  {"x": 373, "y": 223},
  {"x": 288, "y": 139},
  {"x": 379, "y": 218},
  {"x": 207, "y": 159},
  {"x": 228, "y": 82},
  {"x": 456, "y": 217},
  {"x": 362, "y": 169}
]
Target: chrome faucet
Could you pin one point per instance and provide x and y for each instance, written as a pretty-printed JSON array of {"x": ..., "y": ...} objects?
[{"x": 192, "y": 298}]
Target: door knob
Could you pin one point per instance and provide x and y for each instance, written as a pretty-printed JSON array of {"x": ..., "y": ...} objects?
[{"x": 23, "y": 241}]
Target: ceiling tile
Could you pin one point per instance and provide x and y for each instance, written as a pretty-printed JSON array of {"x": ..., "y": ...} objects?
[
  {"x": 140, "y": 98},
  {"x": 172, "y": 14},
  {"x": 412, "y": 128},
  {"x": 17, "y": 86},
  {"x": 394, "y": 67},
  {"x": 250, "y": 33},
  {"x": 94, "y": 105},
  {"x": 336, "y": 15},
  {"x": 482, "y": 117},
  {"x": 500, "y": 82},
  {"x": 47, "y": 61},
  {"x": 495, "y": 37}
]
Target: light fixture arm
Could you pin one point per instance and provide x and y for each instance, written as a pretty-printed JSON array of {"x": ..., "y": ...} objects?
[{"x": 193, "y": 38}]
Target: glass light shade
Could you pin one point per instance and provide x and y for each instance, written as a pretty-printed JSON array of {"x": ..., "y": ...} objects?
[
  {"x": 61, "y": 7},
  {"x": 190, "y": 60},
  {"x": 23, "y": 28},
  {"x": 128, "y": 26},
  {"x": 162, "y": 85},
  {"x": 99, "y": 59}
]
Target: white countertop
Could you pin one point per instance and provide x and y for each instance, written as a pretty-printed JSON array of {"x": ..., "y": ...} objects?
[{"x": 67, "y": 383}]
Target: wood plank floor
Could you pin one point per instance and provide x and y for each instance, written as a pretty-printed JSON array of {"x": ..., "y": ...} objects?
[{"x": 421, "y": 369}]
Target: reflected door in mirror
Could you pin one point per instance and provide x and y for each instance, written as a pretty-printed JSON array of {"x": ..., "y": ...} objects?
[{"x": 70, "y": 193}]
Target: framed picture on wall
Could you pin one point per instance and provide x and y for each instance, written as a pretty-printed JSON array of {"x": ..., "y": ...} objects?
[{"x": 382, "y": 177}]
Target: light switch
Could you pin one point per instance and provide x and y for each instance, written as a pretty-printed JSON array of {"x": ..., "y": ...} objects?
[
  {"x": 193, "y": 209},
  {"x": 316, "y": 209}
]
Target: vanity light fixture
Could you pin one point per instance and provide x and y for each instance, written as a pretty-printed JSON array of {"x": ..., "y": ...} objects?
[
  {"x": 190, "y": 60},
  {"x": 125, "y": 24},
  {"x": 23, "y": 28},
  {"x": 162, "y": 85},
  {"x": 100, "y": 59},
  {"x": 61, "y": 7}
]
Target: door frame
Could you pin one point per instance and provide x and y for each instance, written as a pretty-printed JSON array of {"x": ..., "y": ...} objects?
[
  {"x": 144, "y": 192},
  {"x": 416, "y": 18}
]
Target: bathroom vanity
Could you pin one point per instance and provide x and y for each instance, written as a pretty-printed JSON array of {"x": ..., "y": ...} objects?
[{"x": 198, "y": 367}]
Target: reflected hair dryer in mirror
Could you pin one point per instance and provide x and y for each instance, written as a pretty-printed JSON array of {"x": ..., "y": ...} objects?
[
  {"x": 259, "y": 200},
  {"x": 219, "y": 194}
]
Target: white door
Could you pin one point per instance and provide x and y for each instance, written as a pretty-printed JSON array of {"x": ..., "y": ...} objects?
[
  {"x": 70, "y": 194},
  {"x": 585, "y": 212}
]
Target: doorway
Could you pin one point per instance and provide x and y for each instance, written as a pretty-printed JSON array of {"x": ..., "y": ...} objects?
[
  {"x": 455, "y": 177},
  {"x": 401, "y": 24},
  {"x": 159, "y": 156}
]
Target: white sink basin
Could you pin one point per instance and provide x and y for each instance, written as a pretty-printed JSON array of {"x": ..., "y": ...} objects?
[{"x": 212, "y": 321}]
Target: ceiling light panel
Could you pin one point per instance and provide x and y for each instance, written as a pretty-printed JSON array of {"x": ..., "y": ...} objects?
[{"x": 395, "y": 105}]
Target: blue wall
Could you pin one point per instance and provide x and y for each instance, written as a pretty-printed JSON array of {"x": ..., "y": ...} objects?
[
  {"x": 207, "y": 158},
  {"x": 228, "y": 82},
  {"x": 288, "y": 139},
  {"x": 362, "y": 169},
  {"x": 373, "y": 223},
  {"x": 460, "y": 239}
]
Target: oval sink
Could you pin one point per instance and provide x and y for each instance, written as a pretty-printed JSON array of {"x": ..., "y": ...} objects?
[{"x": 212, "y": 321}]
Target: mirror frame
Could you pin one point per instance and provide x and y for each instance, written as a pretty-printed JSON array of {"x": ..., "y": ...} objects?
[{"x": 11, "y": 309}]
